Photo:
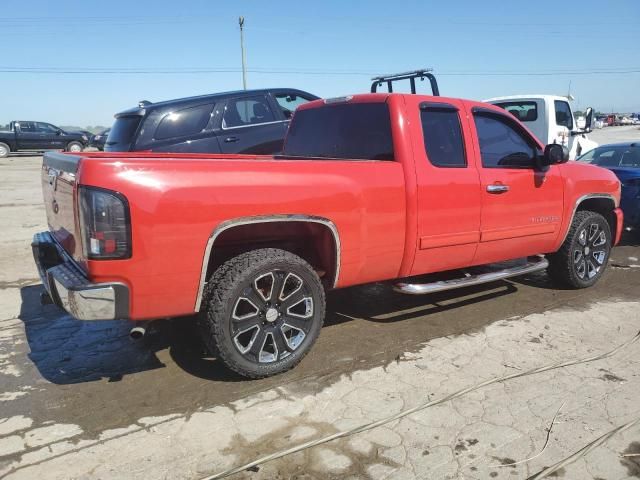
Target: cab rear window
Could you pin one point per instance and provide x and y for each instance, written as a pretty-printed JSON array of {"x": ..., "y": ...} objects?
[
  {"x": 358, "y": 131},
  {"x": 523, "y": 111}
]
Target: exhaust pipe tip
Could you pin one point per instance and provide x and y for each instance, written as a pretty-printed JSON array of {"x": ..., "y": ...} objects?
[
  {"x": 45, "y": 299},
  {"x": 137, "y": 333}
]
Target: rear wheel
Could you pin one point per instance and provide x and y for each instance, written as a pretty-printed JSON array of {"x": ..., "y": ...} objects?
[
  {"x": 74, "y": 147},
  {"x": 263, "y": 311},
  {"x": 583, "y": 257},
  {"x": 4, "y": 150}
]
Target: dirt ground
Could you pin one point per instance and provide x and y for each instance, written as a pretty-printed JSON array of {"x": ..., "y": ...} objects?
[{"x": 81, "y": 400}]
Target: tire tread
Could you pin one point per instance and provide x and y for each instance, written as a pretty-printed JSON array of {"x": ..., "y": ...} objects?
[
  {"x": 218, "y": 293},
  {"x": 560, "y": 266}
]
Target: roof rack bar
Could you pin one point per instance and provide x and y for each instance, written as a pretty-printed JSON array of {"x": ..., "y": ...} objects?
[{"x": 411, "y": 76}]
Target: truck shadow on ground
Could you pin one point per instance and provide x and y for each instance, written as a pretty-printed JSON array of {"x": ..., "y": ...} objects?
[
  {"x": 67, "y": 351},
  {"x": 630, "y": 239}
]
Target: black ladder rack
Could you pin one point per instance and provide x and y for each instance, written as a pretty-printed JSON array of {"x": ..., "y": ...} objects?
[{"x": 411, "y": 76}]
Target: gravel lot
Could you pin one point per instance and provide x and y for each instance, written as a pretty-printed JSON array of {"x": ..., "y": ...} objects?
[{"x": 80, "y": 400}]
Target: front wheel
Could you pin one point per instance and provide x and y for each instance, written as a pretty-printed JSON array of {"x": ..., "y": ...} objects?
[
  {"x": 583, "y": 257},
  {"x": 74, "y": 147},
  {"x": 262, "y": 312}
]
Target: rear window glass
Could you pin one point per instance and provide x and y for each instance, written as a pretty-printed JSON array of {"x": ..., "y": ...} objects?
[
  {"x": 187, "y": 121},
  {"x": 359, "y": 131},
  {"x": 122, "y": 131},
  {"x": 523, "y": 111}
]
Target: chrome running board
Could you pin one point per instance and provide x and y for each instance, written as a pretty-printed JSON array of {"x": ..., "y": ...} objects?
[{"x": 484, "y": 274}]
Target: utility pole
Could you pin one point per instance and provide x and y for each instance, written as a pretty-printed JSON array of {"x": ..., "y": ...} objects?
[{"x": 244, "y": 60}]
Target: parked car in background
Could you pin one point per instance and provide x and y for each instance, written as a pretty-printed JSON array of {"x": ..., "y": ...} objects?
[
  {"x": 28, "y": 135},
  {"x": 623, "y": 159},
  {"x": 600, "y": 122},
  {"x": 246, "y": 121},
  {"x": 371, "y": 187},
  {"x": 626, "y": 121},
  {"x": 550, "y": 119},
  {"x": 98, "y": 140}
]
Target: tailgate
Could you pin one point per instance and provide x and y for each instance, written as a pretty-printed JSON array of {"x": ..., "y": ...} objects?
[{"x": 59, "y": 192}]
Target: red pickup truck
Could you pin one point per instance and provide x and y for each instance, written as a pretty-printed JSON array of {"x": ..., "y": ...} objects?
[{"x": 369, "y": 187}]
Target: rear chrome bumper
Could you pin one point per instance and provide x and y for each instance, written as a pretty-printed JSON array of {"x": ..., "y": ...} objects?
[{"x": 70, "y": 289}]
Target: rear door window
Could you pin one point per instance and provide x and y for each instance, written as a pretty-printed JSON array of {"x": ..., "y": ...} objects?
[
  {"x": 563, "y": 114},
  {"x": 443, "y": 137},
  {"x": 242, "y": 112},
  {"x": 359, "y": 131},
  {"x": 523, "y": 111},
  {"x": 28, "y": 127},
  {"x": 188, "y": 121}
]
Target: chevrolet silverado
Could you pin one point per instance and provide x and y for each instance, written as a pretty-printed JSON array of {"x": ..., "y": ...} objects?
[{"x": 370, "y": 187}]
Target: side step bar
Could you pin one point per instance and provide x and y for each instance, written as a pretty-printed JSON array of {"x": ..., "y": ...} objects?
[{"x": 488, "y": 273}]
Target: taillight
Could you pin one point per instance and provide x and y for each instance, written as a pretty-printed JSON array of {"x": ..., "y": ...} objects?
[{"x": 104, "y": 223}]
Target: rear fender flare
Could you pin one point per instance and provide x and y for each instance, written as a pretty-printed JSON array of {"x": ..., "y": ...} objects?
[{"x": 228, "y": 224}]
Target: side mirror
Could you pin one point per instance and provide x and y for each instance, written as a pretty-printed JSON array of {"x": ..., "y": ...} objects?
[
  {"x": 59, "y": 132},
  {"x": 588, "y": 119},
  {"x": 553, "y": 155}
]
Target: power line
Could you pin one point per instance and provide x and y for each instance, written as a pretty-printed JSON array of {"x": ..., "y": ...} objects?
[
  {"x": 272, "y": 71},
  {"x": 436, "y": 20}
]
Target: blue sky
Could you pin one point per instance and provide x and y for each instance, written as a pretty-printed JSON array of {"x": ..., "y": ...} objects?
[{"x": 334, "y": 46}]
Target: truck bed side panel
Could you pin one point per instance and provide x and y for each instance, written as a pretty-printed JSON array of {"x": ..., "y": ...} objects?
[{"x": 177, "y": 203}]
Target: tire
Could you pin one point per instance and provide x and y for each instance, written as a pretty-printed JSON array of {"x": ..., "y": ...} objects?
[
  {"x": 5, "y": 150},
  {"x": 262, "y": 312},
  {"x": 74, "y": 147},
  {"x": 583, "y": 256}
]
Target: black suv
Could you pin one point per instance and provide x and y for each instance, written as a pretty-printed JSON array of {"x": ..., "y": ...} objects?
[{"x": 245, "y": 121}]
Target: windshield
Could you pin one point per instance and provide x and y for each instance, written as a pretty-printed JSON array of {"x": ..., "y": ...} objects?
[
  {"x": 613, "y": 156},
  {"x": 359, "y": 131},
  {"x": 121, "y": 134}
]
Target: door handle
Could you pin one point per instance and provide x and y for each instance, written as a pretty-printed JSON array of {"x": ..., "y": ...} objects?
[
  {"x": 497, "y": 188},
  {"x": 231, "y": 139}
]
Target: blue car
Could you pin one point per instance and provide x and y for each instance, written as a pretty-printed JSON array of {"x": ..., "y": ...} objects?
[{"x": 623, "y": 159}]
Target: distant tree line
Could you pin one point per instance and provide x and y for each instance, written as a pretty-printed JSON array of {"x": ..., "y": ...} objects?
[{"x": 94, "y": 129}]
